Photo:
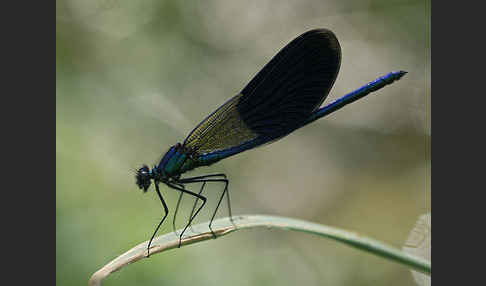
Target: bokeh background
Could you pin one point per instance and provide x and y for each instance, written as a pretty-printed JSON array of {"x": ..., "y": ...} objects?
[{"x": 134, "y": 77}]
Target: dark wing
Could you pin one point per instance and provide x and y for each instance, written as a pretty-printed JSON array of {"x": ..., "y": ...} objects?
[{"x": 278, "y": 99}]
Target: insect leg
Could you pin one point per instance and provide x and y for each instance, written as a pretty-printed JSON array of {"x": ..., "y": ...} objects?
[
  {"x": 195, "y": 203},
  {"x": 160, "y": 223},
  {"x": 177, "y": 208},
  {"x": 225, "y": 180},
  {"x": 204, "y": 180},
  {"x": 198, "y": 210}
]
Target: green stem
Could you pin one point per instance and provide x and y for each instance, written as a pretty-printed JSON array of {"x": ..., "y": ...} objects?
[{"x": 223, "y": 227}]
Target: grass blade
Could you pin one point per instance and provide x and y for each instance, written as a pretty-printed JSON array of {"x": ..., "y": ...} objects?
[{"x": 223, "y": 227}]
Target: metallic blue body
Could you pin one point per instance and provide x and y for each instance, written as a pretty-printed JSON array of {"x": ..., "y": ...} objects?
[
  {"x": 355, "y": 95},
  {"x": 283, "y": 96},
  {"x": 178, "y": 161}
]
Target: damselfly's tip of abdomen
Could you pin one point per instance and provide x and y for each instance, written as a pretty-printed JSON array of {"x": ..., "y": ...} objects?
[{"x": 401, "y": 73}]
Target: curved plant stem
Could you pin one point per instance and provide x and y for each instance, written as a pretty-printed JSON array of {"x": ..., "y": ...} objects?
[{"x": 223, "y": 226}]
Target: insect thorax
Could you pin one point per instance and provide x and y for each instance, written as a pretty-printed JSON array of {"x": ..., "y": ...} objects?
[{"x": 177, "y": 161}]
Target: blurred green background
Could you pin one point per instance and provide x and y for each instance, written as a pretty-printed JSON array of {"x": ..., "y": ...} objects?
[{"x": 134, "y": 77}]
